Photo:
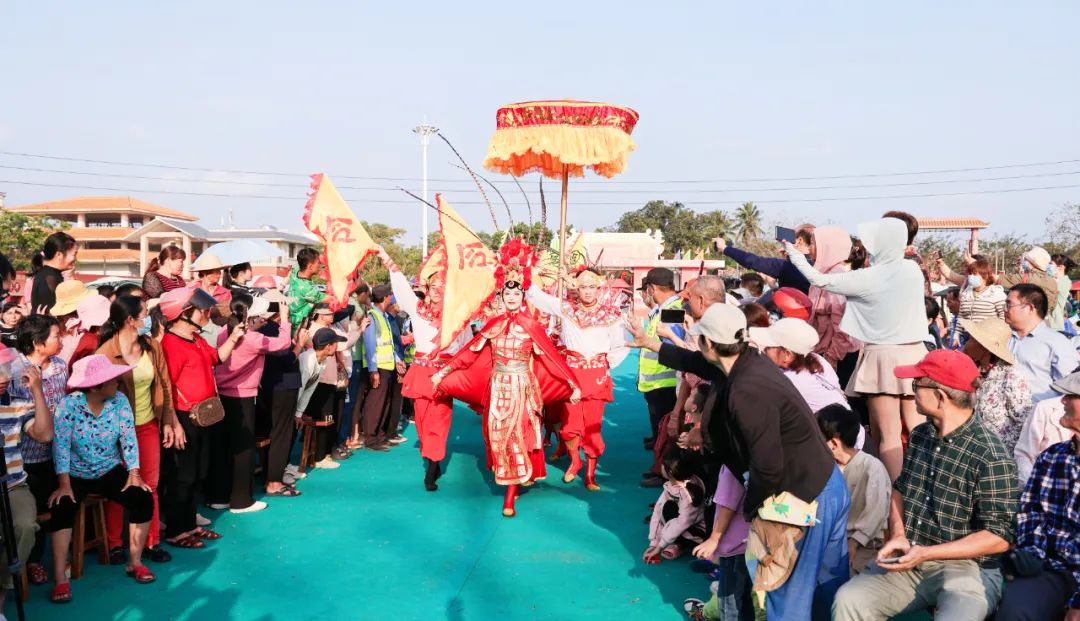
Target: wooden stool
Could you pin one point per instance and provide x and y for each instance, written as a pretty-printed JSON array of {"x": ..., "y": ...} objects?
[
  {"x": 79, "y": 543},
  {"x": 263, "y": 446},
  {"x": 307, "y": 449}
]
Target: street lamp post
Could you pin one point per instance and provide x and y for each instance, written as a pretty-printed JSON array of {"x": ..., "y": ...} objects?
[{"x": 425, "y": 132}]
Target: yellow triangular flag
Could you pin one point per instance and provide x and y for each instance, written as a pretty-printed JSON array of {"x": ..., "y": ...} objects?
[
  {"x": 345, "y": 241},
  {"x": 470, "y": 273}
]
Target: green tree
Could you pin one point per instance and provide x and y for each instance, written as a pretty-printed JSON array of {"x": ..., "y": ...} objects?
[
  {"x": 1004, "y": 251},
  {"x": 407, "y": 257},
  {"x": 949, "y": 248},
  {"x": 678, "y": 223},
  {"x": 23, "y": 236},
  {"x": 714, "y": 224},
  {"x": 748, "y": 223}
]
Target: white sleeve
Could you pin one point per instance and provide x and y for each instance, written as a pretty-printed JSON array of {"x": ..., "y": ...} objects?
[
  {"x": 619, "y": 350},
  {"x": 546, "y": 302},
  {"x": 403, "y": 291},
  {"x": 848, "y": 284}
]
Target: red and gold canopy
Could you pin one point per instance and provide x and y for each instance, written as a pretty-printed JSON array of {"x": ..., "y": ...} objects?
[{"x": 559, "y": 138}]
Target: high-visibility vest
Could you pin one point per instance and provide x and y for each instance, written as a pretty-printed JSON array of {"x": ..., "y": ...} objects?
[
  {"x": 651, "y": 374},
  {"x": 384, "y": 342}
]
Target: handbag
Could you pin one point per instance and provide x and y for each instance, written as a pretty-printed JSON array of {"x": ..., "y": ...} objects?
[{"x": 207, "y": 412}]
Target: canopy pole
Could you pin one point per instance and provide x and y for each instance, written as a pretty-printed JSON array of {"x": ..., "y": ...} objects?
[{"x": 562, "y": 224}]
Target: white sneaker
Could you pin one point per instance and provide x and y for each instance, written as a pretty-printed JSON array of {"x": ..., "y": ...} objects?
[
  {"x": 217, "y": 506},
  {"x": 327, "y": 464},
  {"x": 294, "y": 470},
  {"x": 201, "y": 521},
  {"x": 258, "y": 505}
]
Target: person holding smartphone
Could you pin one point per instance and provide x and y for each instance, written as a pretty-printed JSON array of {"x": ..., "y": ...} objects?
[
  {"x": 780, "y": 268},
  {"x": 656, "y": 381}
]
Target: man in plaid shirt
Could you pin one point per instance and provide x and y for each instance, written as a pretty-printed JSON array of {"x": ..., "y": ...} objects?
[
  {"x": 1047, "y": 555},
  {"x": 952, "y": 508}
]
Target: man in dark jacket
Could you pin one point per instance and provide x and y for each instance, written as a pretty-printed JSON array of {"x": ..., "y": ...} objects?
[
  {"x": 780, "y": 268},
  {"x": 759, "y": 423}
]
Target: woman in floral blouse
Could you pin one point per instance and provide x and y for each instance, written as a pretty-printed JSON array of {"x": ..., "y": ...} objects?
[
  {"x": 1003, "y": 401},
  {"x": 96, "y": 452}
]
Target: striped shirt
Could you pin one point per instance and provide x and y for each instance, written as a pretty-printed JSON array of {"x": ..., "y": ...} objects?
[
  {"x": 985, "y": 305},
  {"x": 13, "y": 421},
  {"x": 54, "y": 385},
  {"x": 957, "y": 485}
]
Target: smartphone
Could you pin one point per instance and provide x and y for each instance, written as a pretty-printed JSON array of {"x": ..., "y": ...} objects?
[
  {"x": 672, "y": 315},
  {"x": 785, "y": 234}
]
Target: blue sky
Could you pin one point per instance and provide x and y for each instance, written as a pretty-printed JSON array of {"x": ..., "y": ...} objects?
[{"x": 725, "y": 92}]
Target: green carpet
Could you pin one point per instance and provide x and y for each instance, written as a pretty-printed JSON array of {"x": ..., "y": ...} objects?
[{"x": 367, "y": 542}]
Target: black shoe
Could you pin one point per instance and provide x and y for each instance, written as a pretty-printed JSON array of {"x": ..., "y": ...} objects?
[
  {"x": 157, "y": 554},
  {"x": 432, "y": 475},
  {"x": 342, "y": 453},
  {"x": 652, "y": 482},
  {"x": 116, "y": 556}
]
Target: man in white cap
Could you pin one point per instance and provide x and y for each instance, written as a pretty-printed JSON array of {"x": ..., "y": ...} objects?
[
  {"x": 592, "y": 333},
  {"x": 759, "y": 424},
  {"x": 1037, "y": 268}
]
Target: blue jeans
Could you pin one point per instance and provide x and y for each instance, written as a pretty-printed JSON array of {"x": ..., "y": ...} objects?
[
  {"x": 732, "y": 601},
  {"x": 346, "y": 416},
  {"x": 822, "y": 566}
]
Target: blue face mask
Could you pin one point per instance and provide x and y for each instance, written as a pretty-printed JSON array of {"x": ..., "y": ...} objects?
[{"x": 144, "y": 329}]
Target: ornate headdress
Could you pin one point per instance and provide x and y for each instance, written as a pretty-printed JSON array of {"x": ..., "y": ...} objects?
[
  {"x": 586, "y": 275},
  {"x": 516, "y": 260}
]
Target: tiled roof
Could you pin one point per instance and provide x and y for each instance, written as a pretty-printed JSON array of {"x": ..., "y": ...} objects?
[
  {"x": 91, "y": 233},
  {"x": 930, "y": 224},
  {"x": 102, "y": 204},
  {"x": 89, "y": 256}
]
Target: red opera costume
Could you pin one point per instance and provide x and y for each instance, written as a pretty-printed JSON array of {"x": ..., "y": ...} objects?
[
  {"x": 508, "y": 372},
  {"x": 595, "y": 343},
  {"x": 432, "y": 415}
]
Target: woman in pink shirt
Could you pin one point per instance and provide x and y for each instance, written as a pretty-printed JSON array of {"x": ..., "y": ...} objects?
[{"x": 238, "y": 381}]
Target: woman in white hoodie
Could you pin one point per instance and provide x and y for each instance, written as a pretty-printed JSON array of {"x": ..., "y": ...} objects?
[{"x": 885, "y": 311}]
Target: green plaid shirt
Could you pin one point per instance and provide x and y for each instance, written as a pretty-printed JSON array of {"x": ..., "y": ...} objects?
[{"x": 957, "y": 485}]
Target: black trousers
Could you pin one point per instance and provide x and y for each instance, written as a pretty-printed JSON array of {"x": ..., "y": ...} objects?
[
  {"x": 138, "y": 502},
  {"x": 217, "y": 482},
  {"x": 322, "y": 407},
  {"x": 359, "y": 383},
  {"x": 280, "y": 408},
  {"x": 394, "y": 412},
  {"x": 661, "y": 402},
  {"x": 1040, "y": 598},
  {"x": 182, "y": 473},
  {"x": 239, "y": 426},
  {"x": 41, "y": 477},
  {"x": 374, "y": 419}
]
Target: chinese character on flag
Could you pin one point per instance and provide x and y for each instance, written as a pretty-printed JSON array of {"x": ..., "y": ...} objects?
[
  {"x": 470, "y": 273},
  {"x": 345, "y": 242}
]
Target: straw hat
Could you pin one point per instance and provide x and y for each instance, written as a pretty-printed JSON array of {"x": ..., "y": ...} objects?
[
  {"x": 993, "y": 334},
  {"x": 68, "y": 295},
  {"x": 207, "y": 262}
]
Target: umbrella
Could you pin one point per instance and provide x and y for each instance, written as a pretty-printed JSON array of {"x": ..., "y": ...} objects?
[
  {"x": 560, "y": 139},
  {"x": 241, "y": 251}
]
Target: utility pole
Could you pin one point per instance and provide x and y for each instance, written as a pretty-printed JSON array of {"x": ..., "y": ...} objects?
[{"x": 425, "y": 132}]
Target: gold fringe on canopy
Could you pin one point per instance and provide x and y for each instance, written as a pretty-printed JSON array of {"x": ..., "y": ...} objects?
[{"x": 561, "y": 137}]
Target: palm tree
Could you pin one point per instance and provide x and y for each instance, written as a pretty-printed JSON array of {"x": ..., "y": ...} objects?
[{"x": 748, "y": 223}]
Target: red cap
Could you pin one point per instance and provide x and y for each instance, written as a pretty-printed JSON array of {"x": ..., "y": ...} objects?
[
  {"x": 792, "y": 303},
  {"x": 949, "y": 368}
]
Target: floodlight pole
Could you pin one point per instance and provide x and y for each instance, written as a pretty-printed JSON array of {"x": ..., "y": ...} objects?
[{"x": 425, "y": 132}]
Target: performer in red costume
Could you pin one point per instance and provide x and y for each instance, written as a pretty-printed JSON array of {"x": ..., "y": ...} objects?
[
  {"x": 432, "y": 416},
  {"x": 592, "y": 332},
  {"x": 509, "y": 371}
]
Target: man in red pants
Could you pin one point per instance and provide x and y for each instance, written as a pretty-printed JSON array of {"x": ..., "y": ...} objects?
[
  {"x": 592, "y": 333},
  {"x": 432, "y": 417}
]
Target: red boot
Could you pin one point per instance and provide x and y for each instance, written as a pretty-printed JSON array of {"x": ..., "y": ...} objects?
[
  {"x": 508, "y": 500},
  {"x": 575, "y": 466},
  {"x": 560, "y": 452},
  {"x": 590, "y": 474}
]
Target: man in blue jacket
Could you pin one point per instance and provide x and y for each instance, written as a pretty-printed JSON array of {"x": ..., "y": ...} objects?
[{"x": 785, "y": 273}]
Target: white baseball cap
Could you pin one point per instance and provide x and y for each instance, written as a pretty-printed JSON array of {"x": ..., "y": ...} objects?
[
  {"x": 260, "y": 307},
  {"x": 722, "y": 324},
  {"x": 794, "y": 335}
]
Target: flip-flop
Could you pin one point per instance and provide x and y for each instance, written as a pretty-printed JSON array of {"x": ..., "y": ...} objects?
[
  {"x": 189, "y": 542},
  {"x": 61, "y": 593},
  {"x": 141, "y": 574},
  {"x": 285, "y": 492}
]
